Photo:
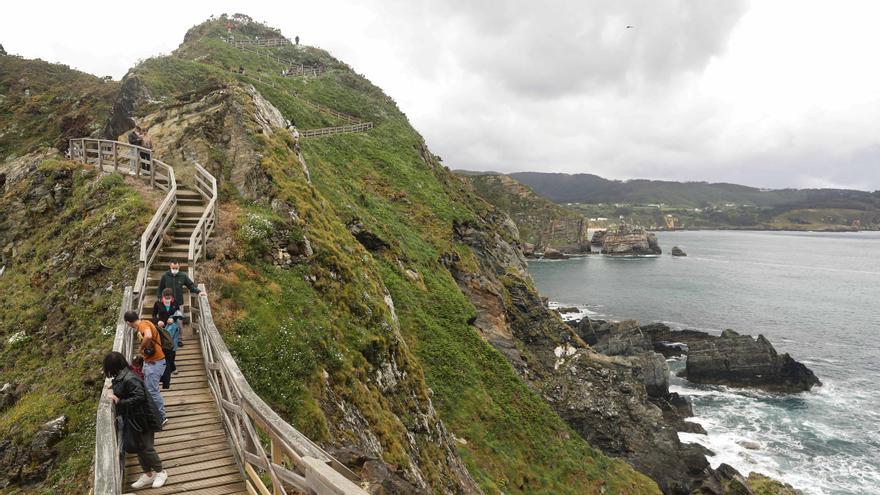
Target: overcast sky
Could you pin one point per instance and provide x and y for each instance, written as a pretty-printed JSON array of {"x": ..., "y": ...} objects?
[{"x": 772, "y": 93}]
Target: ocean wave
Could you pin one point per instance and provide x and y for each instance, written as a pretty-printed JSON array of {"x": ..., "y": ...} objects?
[{"x": 800, "y": 439}]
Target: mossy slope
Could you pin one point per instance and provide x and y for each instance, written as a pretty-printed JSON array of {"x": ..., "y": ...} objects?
[
  {"x": 71, "y": 240},
  {"x": 319, "y": 333}
]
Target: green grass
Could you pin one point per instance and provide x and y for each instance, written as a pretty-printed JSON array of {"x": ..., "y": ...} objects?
[
  {"x": 63, "y": 104},
  {"x": 339, "y": 324},
  {"x": 63, "y": 290}
]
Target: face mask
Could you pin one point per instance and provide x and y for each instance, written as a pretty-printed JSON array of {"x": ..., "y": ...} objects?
[{"x": 174, "y": 271}]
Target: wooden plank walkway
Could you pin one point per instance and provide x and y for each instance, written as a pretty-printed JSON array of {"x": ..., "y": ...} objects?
[{"x": 194, "y": 445}]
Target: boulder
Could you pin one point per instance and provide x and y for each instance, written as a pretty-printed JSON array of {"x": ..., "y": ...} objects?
[
  {"x": 741, "y": 361},
  {"x": 9, "y": 393},
  {"x": 598, "y": 238},
  {"x": 615, "y": 338},
  {"x": 567, "y": 309},
  {"x": 553, "y": 254},
  {"x": 676, "y": 251},
  {"x": 528, "y": 249}
]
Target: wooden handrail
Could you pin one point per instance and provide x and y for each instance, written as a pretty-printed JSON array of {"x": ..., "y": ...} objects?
[
  {"x": 108, "y": 453},
  {"x": 328, "y": 131},
  {"x": 109, "y": 155},
  {"x": 141, "y": 163},
  {"x": 292, "y": 459},
  {"x": 206, "y": 186},
  {"x": 263, "y": 42},
  {"x": 297, "y": 69}
]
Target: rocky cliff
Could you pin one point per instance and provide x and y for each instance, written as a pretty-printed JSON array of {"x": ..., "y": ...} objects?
[
  {"x": 542, "y": 224},
  {"x": 330, "y": 276},
  {"x": 368, "y": 294}
]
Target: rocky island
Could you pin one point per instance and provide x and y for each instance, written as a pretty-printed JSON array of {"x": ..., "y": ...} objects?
[{"x": 629, "y": 240}]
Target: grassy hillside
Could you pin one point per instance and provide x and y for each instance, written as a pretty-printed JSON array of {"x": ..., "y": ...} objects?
[
  {"x": 43, "y": 104},
  {"x": 322, "y": 332},
  {"x": 70, "y": 238},
  {"x": 540, "y": 222},
  {"x": 701, "y": 204}
]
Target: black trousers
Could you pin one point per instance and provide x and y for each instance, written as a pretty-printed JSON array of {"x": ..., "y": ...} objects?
[
  {"x": 169, "y": 368},
  {"x": 149, "y": 458}
]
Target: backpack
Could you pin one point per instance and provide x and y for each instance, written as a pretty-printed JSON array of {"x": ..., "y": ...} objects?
[{"x": 167, "y": 341}]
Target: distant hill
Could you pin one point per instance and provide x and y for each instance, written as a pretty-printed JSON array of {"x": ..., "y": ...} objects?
[
  {"x": 589, "y": 188},
  {"x": 709, "y": 205}
]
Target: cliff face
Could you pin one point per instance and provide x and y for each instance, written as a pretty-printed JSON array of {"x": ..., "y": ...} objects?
[
  {"x": 330, "y": 281},
  {"x": 541, "y": 223}
]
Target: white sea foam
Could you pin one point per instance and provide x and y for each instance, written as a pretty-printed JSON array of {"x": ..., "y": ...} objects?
[{"x": 582, "y": 311}]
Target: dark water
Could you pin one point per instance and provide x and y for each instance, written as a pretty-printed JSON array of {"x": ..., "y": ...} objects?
[{"x": 814, "y": 295}]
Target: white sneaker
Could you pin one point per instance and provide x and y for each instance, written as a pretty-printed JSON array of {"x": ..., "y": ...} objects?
[
  {"x": 144, "y": 480},
  {"x": 161, "y": 476}
]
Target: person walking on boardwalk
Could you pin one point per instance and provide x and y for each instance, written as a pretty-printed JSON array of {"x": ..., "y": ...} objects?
[
  {"x": 166, "y": 315},
  {"x": 139, "y": 417},
  {"x": 176, "y": 280},
  {"x": 154, "y": 357}
]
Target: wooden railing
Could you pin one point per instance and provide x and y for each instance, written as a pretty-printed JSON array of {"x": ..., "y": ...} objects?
[
  {"x": 104, "y": 154},
  {"x": 263, "y": 42},
  {"x": 289, "y": 459},
  {"x": 329, "y": 131},
  {"x": 294, "y": 69},
  {"x": 137, "y": 161},
  {"x": 109, "y": 458},
  {"x": 206, "y": 185}
]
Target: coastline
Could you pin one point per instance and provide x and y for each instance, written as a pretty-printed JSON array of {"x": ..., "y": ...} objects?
[{"x": 823, "y": 442}]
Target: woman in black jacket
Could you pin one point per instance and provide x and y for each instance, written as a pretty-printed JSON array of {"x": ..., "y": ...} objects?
[{"x": 139, "y": 416}]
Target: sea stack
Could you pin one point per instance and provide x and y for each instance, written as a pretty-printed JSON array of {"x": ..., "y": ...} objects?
[
  {"x": 630, "y": 240},
  {"x": 677, "y": 251}
]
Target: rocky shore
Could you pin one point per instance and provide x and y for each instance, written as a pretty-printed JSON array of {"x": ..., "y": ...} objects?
[{"x": 730, "y": 359}]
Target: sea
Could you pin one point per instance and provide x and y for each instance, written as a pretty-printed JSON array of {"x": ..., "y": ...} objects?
[{"x": 813, "y": 295}]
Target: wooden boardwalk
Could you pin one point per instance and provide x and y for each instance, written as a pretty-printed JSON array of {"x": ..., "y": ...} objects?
[
  {"x": 194, "y": 446},
  {"x": 214, "y": 443}
]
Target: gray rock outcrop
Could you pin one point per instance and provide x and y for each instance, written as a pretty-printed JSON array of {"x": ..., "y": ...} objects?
[
  {"x": 741, "y": 361},
  {"x": 628, "y": 240},
  {"x": 677, "y": 251}
]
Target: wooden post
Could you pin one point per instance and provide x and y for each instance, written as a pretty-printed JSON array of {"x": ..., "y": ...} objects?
[
  {"x": 204, "y": 239},
  {"x": 153, "y": 172},
  {"x": 100, "y": 156},
  {"x": 276, "y": 459},
  {"x": 115, "y": 158}
]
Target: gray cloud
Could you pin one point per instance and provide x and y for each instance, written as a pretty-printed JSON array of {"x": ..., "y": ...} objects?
[{"x": 561, "y": 85}]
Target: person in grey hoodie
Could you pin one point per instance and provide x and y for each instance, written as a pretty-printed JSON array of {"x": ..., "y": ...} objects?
[{"x": 176, "y": 280}]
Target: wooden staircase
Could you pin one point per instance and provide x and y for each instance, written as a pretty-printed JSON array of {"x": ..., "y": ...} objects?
[
  {"x": 215, "y": 441},
  {"x": 194, "y": 446}
]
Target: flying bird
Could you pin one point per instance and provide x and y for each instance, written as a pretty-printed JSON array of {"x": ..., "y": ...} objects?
[{"x": 630, "y": 27}]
